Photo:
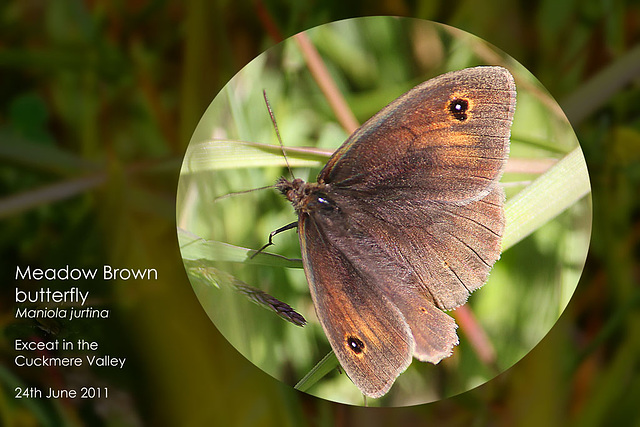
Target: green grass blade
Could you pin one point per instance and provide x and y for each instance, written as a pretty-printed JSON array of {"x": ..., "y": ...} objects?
[
  {"x": 229, "y": 154},
  {"x": 322, "y": 368},
  {"x": 546, "y": 197},
  {"x": 195, "y": 248}
]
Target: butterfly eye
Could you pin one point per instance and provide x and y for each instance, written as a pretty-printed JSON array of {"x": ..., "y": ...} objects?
[
  {"x": 355, "y": 345},
  {"x": 458, "y": 108},
  {"x": 325, "y": 203}
]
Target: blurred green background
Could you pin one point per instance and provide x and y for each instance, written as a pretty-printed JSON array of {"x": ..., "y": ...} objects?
[{"x": 98, "y": 103}]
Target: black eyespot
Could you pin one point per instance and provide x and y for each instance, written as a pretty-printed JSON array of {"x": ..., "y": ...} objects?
[
  {"x": 355, "y": 345},
  {"x": 458, "y": 108}
]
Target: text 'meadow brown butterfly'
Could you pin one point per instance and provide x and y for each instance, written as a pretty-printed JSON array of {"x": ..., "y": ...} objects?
[{"x": 405, "y": 221}]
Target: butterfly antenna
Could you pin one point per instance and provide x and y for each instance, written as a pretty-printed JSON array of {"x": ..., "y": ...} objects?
[
  {"x": 235, "y": 193},
  {"x": 275, "y": 127}
]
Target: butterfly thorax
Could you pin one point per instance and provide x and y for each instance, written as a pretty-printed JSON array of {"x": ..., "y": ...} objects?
[{"x": 305, "y": 196}]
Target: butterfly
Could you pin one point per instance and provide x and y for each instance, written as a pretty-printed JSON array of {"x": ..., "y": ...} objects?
[{"x": 405, "y": 221}]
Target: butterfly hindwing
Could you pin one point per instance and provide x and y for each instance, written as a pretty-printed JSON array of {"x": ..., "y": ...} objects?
[{"x": 372, "y": 348}]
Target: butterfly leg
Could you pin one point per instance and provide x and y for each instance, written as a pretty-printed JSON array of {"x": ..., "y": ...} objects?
[{"x": 273, "y": 233}]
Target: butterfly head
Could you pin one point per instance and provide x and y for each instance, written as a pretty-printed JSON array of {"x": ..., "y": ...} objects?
[{"x": 305, "y": 196}]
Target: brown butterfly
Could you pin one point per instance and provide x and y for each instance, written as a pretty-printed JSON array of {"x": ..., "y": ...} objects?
[{"x": 406, "y": 220}]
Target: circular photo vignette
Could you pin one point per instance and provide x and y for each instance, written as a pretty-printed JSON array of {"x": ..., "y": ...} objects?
[{"x": 320, "y": 85}]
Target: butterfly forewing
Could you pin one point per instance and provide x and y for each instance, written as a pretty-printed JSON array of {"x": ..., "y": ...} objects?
[{"x": 433, "y": 142}]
